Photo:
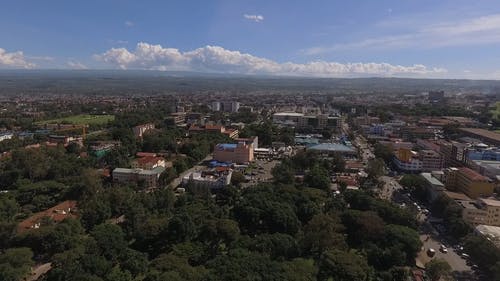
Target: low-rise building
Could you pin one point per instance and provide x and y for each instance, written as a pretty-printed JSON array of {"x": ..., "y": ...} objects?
[
  {"x": 454, "y": 153},
  {"x": 483, "y": 211},
  {"x": 489, "y": 137},
  {"x": 407, "y": 160},
  {"x": 141, "y": 129},
  {"x": 490, "y": 169},
  {"x": 328, "y": 149},
  {"x": 6, "y": 136},
  {"x": 150, "y": 162},
  {"x": 176, "y": 119},
  {"x": 101, "y": 148},
  {"x": 490, "y": 233},
  {"x": 431, "y": 160},
  {"x": 208, "y": 180},
  {"x": 302, "y": 121},
  {"x": 434, "y": 187},
  {"x": 469, "y": 182},
  {"x": 148, "y": 177}
]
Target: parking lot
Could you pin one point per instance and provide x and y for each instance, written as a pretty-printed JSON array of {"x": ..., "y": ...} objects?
[{"x": 259, "y": 171}]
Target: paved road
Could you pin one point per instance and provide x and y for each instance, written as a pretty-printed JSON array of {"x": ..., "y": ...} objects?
[
  {"x": 38, "y": 271},
  {"x": 456, "y": 262}
]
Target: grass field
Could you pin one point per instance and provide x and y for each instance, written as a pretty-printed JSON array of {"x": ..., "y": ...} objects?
[
  {"x": 81, "y": 119},
  {"x": 496, "y": 111}
]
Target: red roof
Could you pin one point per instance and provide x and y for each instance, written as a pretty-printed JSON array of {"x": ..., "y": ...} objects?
[
  {"x": 222, "y": 169},
  {"x": 145, "y": 154},
  {"x": 471, "y": 174},
  {"x": 149, "y": 160}
]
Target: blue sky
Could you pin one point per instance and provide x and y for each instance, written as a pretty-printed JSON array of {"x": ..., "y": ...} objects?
[{"x": 406, "y": 38}]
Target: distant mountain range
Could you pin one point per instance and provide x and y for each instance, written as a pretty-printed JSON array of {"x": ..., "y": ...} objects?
[{"x": 156, "y": 82}]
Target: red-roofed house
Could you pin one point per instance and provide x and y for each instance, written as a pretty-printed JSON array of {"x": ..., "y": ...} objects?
[{"x": 150, "y": 162}]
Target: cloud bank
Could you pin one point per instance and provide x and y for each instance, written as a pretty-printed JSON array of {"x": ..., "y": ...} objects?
[
  {"x": 255, "y": 18},
  {"x": 14, "y": 60},
  {"x": 216, "y": 59}
]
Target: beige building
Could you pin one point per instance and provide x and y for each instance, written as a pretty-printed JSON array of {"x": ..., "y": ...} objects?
[
  {"x": 148, "y": 177},
  {"x": 236, "y": 153},
  {"x": 481, "y": 212},
  {"x": 431, "y": 160},
  {"x": 469, "y": 182},
  {"x": 141, "y": 129}
]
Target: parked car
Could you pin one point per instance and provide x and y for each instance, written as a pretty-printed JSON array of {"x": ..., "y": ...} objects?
[
  {"x": 443, "y": 249},
  {"x": 431, "y": 252}
]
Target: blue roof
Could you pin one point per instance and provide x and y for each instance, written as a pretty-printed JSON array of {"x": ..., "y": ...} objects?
[
  {"x": 215, "y": 163},
  {"x": 333, "y": 147},
  {"x": 227, "y": 145}
]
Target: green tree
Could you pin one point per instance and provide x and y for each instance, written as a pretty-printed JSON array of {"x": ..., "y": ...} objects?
[
  {"x": 323, "y": 232},
  {"x": 283, "y": 173},
  {"x": 317, "y": 177},
  {"x": 375, "y": 168},
  {"x": 15, "y": 263},
  {"x": 237, "y": 178},
  {"x": 383, "y": 152},
  {"x": 437, "y": 268},
  {"x": 300, "y": 269},
  {"x": 110, "y": 239},
  {"x": 344, "y": 266}
]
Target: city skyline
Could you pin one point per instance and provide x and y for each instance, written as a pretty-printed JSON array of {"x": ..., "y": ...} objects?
[{"x": 417, "y": 39}]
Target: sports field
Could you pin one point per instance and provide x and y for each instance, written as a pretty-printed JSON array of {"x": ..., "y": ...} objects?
[{"x": 81, "y": 119}]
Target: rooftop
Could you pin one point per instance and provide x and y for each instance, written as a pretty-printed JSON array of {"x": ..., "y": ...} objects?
[
  {"x": 489, "y": 164},
  {"x": 333, "y": 147},
  {"x": 471, "y": 174},
  {"x": 155, "y": 171},
  {"x": 483, "y": 133},
  {"x": 491, "y": 202},
  {"x": 491, "y": 232},
  {"x": 225, "y": 146},
  {"x": 149, "y": 159},
  {"x": 456, "y": 195},
  {"x": 432, "y": 180},
  {"x": 288, "y": 114}
]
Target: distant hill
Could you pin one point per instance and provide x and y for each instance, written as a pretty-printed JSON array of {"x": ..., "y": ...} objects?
[{"x": 13, "y": 82}]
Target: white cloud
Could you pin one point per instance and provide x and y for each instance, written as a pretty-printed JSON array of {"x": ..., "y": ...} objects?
[
  {"x": 14, "y": 60},
  {"x": 129, "y": 23},
  {"x": 255, "y": 18},
  {"x": 219, "y": 60},
  {"x": 76, "y": 65},
  {"x": 40, "y": 58},
  {"x": 471, "y": 31}
]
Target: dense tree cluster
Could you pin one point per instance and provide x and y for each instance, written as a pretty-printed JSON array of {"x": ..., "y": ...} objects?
[
  {"x": 316, "y": 171},
  {"x": 269, "y": 133},
  {"x": 266, "y": 232}
]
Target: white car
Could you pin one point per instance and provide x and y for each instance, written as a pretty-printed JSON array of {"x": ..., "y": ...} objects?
[{"x": 443, "y": 249}]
